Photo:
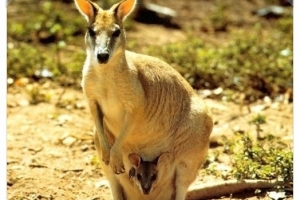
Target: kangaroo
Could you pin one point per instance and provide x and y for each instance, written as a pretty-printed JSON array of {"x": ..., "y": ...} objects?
[
  {"x": 139, "y": 104},
  {"x": 145, "y": 173}
]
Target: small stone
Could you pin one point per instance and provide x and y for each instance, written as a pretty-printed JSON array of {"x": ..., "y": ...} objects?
[
  {"x": 68, "y": 141},
  {"x": 23, "y": 102}
]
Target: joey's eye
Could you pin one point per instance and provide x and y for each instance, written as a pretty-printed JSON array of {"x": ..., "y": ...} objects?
[
  {"x": 91, "y": 32},
  {"x": 153, "y": 177},
  {"x": 116, "y": 33},
  {"x": 139, "y": 177}
]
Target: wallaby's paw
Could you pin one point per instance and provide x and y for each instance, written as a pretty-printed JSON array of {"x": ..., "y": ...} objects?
[
  {"x": 118, "y": 168},
  {"x": 116, "y": 163}
]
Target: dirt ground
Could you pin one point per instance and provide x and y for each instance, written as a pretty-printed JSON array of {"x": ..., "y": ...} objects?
[{"x": 50, "y": 148}]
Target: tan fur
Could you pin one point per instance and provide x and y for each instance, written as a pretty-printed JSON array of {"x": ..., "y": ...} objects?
[{"x": 140, "y": 104}]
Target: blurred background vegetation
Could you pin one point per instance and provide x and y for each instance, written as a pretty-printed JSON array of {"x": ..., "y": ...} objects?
[{"x": 224, "y": 52}]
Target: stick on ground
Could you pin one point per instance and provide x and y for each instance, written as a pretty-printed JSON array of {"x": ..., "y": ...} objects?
[{"x": 217, "y": 189}]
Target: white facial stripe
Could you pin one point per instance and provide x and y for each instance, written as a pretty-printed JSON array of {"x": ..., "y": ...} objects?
[{"x": 102, "y": 41}]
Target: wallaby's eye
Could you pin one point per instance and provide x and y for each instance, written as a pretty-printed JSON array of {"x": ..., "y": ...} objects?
[
  {"x": 153, "y": 177},
  {"x": 91, "y": 32},
  {"x": 116, "y": 33},
  {"x": 139, "y": 177}
]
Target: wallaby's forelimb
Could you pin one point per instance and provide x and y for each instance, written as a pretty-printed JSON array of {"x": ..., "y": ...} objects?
[
  {"x": 116, "y": 161},
  {"x": 98, "y": 117},
  {"x": 217, "y": 189}
]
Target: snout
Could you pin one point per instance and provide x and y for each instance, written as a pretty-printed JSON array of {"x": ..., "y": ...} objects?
[
  {"x": 102, "y": 57},
  {"x": 146, "y": 189}
]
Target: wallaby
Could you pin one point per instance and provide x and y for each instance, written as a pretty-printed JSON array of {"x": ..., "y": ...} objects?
[
  {"x": 139, "y": 104},
  {"x": 145, "y": 173}
]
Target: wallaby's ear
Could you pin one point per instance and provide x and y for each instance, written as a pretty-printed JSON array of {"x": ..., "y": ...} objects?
[
  {"x": 87, "y": 8},
  {"x": 124, "y": 8},
  {"x": 164, "y": 157},
  {"x": 135, "y": 159}
]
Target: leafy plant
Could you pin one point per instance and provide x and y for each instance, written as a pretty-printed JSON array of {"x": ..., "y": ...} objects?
[
  {"x": 258, "y": 120},
  {"x": 261, "y": 160},
  {"x": 43, "y": 43},
  {"x": 253, "y": 63},
  {"x": 50, "y": 25},
  {"x": 36, "y": 95}
]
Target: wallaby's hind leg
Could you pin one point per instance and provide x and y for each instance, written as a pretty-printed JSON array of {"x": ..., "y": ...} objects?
[
  {"x": 186, "y": 173},
  {"x": 116, "y": 188},
  {"x": 184, "y": 177}
]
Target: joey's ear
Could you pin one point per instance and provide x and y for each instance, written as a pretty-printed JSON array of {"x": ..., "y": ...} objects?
[
  {"x": 163, "y": 158},
  {"x": 87, "y": 8},
  {"x": 135, "y": 159},
  {"x": 124, "y": 8}
]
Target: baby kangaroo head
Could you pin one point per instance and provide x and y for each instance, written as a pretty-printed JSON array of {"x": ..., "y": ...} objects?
[
  {"x": 145, "y": 173},
  {"x": 105, "y": 34}
]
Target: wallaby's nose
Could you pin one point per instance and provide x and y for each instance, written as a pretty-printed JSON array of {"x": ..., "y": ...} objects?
[
  {"x": 103, "y": 57},
  {"x": 146, "y": 189}
]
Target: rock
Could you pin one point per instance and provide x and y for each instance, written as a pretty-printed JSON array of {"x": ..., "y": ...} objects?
[
  {"x": 270, "y": 12},
  {"x": 23, "y": 102},
  {"x": 69, "y": 141}
]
